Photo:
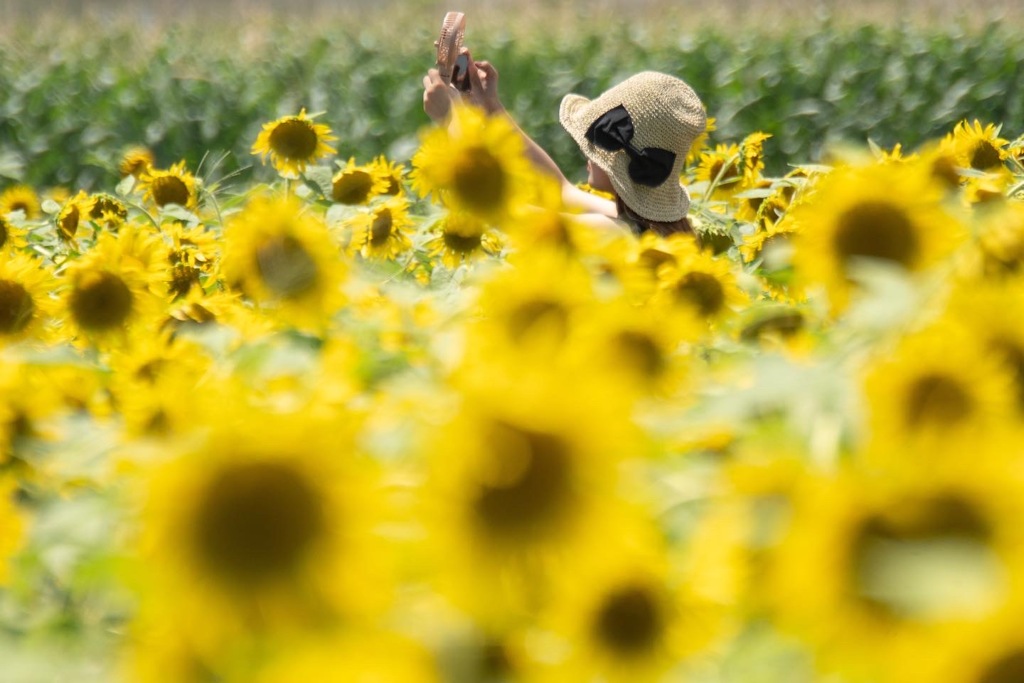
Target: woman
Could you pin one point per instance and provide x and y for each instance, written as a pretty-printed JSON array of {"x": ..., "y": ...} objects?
[{"x": 635, "y": 136}]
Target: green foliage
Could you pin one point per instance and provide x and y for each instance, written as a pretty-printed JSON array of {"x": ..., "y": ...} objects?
[{"x": 74, "y": 98}]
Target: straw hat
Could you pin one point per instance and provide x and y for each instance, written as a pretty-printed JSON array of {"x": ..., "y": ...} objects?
[{"x": 639, "y": 132}]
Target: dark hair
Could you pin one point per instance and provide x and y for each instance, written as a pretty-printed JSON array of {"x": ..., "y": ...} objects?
[{"x": 641, "y": 225}]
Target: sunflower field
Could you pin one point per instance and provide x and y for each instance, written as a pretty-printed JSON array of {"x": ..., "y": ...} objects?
[{"x": 334, "y": 395}]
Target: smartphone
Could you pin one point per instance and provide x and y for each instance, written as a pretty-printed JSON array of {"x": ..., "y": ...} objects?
[{"x": 460, "y": 73}]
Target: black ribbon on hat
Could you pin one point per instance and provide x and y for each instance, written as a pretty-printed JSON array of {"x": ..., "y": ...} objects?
[{"x": 613, "y": 131}]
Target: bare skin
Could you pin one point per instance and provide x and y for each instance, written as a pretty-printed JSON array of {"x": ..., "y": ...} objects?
[{"x": 438, "y": 97}]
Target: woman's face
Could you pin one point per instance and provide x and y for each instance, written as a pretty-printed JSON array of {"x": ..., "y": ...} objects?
[{"x": 597, "y": 178}]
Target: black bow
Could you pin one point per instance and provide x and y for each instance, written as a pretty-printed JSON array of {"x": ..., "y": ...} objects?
[{"x": 614, "y": 131}]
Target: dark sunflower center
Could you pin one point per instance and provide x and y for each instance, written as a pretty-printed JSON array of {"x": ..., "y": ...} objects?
[
  {"x": 16, "y": 307},
  {"x": 380, "y": 229},
  {"x": 479, "y": 180},
  {"x": 877, "y": 230},
  {"x": 183, "y": 278},
  {"x": 1008, "y": 669},
  {"x": 4, "y": 232},
  {"x": 639, "y": 352},
  {"x": 101, "y": 301},
  {"x": 462, "y": 243},
  {"x": 352, "y": 187},
  {"x": 170, "y": 190},
  {"x": 898, "y": 557},
  {"x": 944, "y": 170},
  {"x": 702, "y": 291},
  {"x": 652, "y": 258},
  {"x": 537, "y": 314},
  {"x": 528, "y": 486},
  {"x": 629, "y": 621},
  {"x": 257, "y": 521},
  {"x": 985, "y": 156},
  {"x": 937, "y": 400},
  {"x": 104, "y": 205},
  {"x": 285, "y": 266},
  {"x": 784, "y": 324},
  {"x": 294, "y": 139}
]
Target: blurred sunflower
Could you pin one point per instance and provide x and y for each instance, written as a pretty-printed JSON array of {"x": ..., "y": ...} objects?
[
  {"x": 979, "y": 148},
  {"x": 282, "y": 257},
  {"x": 25, "y": 302},
  {"x": 384, "y": 231},
  {"x": 886, "y": 213},
  {"x": 394, "y": 171},
  {"x": 20, "y": 198},
  {"x": 172, "y": 186},
  {"x": 354, "y": 184},
  {"x": 254, "y": 528},
  {"x": 753, "y": 157},
  {"x": 938, "y": 385},
  {"x": 71, "y": 214},
  {"x": 106, "y": 211},
  {"x": 461, "y": 238},
  {"x": 12, "y": 526},
  {"x": 293, "y": 142},
  {"x": 629, "y": 617},
  {"x": 135, "y": 161},
  {"x": 113, "y": 286},
  {"x": 703, "y": 286},
  {"x": 876, "y": 572},
  {"x": 478, "y": 166},
  {"x": 722, "y": 169},
  {"x": 999, "y": 248},
  {"x": 12, "y": 237}
]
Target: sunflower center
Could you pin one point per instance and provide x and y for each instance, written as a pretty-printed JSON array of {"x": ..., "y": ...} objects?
[
  {"x": 380, "y": 229},
  {"x": 1013, "y": 358},
  {"x": 16, "y": 307},
  {"x": 639, "y": 352},
  {"x": 183, "y": 278},
  {"x": 926, "y": 559},
  {"x": 985, "y": 156},
  {"x": 294, "y": 139},
  {"x": 652, "y": 259},
  {"x": 101, "y": 301},
  {"x": 257, "y": 521},
  {"x": 352, "y": 187},
  {"x": 169, "y": 189},
  {"x": 629, "y": 621},
  {"x": 285, "y": 266},
  {"x": 478, "y": 178},
  {"x": 877, "y": 230},
  {"x": 702, "y": 291},
  {"x": 462, "y": 243},
  {"x": 1007, "y": 669},
  {"x": 527, "y": 486},
  {"x": 937, "y": 400},
  {"x": 106, "y": 207},
  {"x": 4, "y": 232},
  {"x": 538, "y": 314}
]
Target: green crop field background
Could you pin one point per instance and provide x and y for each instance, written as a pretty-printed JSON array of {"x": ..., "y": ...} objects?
[{"x": 82, "y": 80}]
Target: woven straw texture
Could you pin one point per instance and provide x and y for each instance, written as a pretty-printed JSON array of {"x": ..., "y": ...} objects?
[{"x": 666, "y": 113}]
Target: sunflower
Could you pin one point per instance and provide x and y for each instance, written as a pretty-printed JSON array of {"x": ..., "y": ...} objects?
[
  {"x": 354, "y": 184},
  {"x": 192, "y": 257},
  {"x": 172, "y": 186},
  {"x": 106, "y": 210},
  {"x": 382, "y": 232},
  {"x": 282, "y": 257},
  {"x": 722, "y": 169},
  {"x": 625, "y": 614},
  {"x": 394, "y": 171},
  {"x": 20, "y": 198},
  {"x": 518, "y": 477},
  {"x": 979, "y": 148},
  {"x": 461, "y": 238},
  {"x": 25, "y": 301},
  {"x": 478, "y": 166},
  {"x": 135, "y": 161},
  {"x": 113, "y": 286},
  {"x": 999, "y": 250},
  {"x": 885, "y": 213},
  {"x": 753, "y": 157},
  {"x": 702, "y": 286},
  {"x": 878, "y": 572},
  {"x": 293, "y": 142},
  {"x": 938, "y": 384},
  {"x": 646, "y": 260},
  {"x": 71, "y": 214},
  {"x": 12, "y": 237}
]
